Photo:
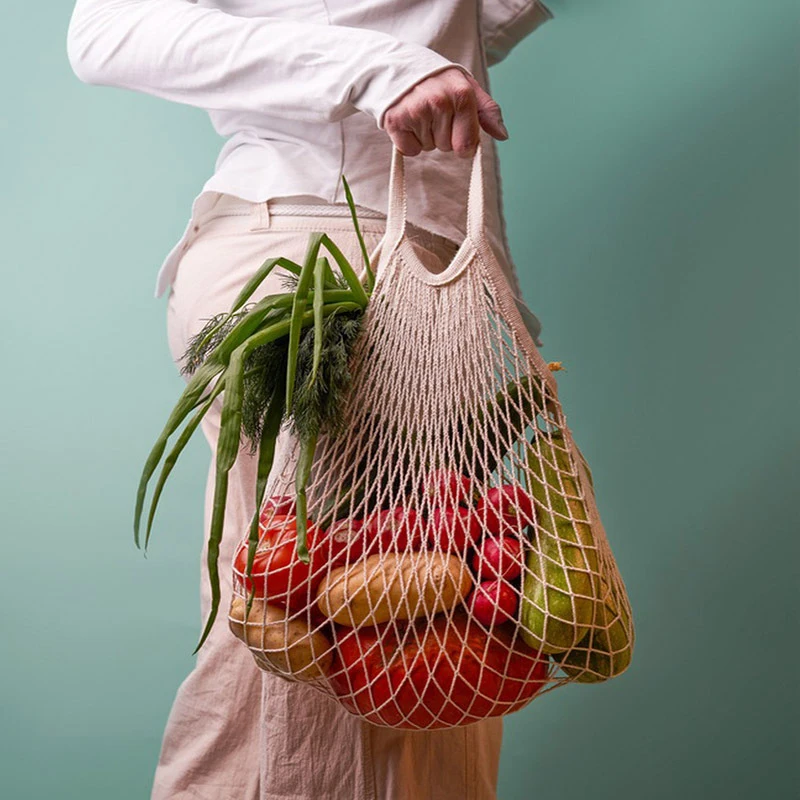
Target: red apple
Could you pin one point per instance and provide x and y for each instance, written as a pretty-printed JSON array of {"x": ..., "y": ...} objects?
[
  {"x": 455, "y": 530},
  {"x": 343, "y": 542},
  {"x": 493, "y": 602},
  {"x": 277, "y": 505},
  {"x": 498, "y": 558},
  {"x": 504, "y": 507}
]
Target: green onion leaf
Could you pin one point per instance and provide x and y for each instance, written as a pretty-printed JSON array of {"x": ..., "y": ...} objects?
[
  {"x": 348, "y": 273},
  {"x": 299, "y": 306},
  {"x": 266, "y": 455},
  {"x": 319, "y": 277},
  {"x": 192, "y": 395},
  {"x": 352, "y": 205},
  {"x": 177, "y": 449},
  {"x": 304, "y": 463},
  {"x": 227, "y": 451}
]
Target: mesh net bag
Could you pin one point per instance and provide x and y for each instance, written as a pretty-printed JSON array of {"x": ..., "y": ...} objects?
[{"x": 458, "y": 566}]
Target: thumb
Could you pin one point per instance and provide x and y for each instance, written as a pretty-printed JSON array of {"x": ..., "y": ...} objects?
[{"x": 489, "y": 114}]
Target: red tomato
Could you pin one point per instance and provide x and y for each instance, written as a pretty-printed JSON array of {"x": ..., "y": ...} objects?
[
  {"x": 357, "y": 666},
  {"x": 342, "y": 543},
  {"x": 395, "y": 530},
  {"x": 505, "y": 507},
  {"x": 436, "y": 675},
  {"x": 279, "y": 505},
  {"x": 523, "y": 671},
  {"x": 493, "y": 602},
  {"x": 446, "y": 487},
  {"x": 466, "y": 673},
  {"x": 278, "y": 574},
  {"x": 412, "y": 683},
  {"x": 455, "y": 530},
  {"x": 498, "y": 558}
]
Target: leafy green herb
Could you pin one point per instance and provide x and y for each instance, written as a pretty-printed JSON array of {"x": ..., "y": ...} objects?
[
  {"x": 265, "y": 369},
  {"x": 207, "y": 339},
  {"x": 318, "y": 401},
  {"x": 284, "y": 357}
]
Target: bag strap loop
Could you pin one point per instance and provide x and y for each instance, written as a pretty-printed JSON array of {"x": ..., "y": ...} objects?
[{"x": 398, "y": 201}]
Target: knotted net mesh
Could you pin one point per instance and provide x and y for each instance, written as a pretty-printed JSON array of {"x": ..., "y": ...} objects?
[{"x": 458, "y": 565}]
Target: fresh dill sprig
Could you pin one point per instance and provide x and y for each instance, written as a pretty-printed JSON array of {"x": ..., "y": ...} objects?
[
  {"x": 264, "y": 368},
  {"x": 207, "y": 339},
  {"x": 317, "y": 404},
  {"x": 289, "y": 281}
]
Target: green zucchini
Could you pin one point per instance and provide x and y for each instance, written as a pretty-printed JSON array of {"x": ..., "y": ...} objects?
[
  {"x": 607, "y": 650},
  {"x": 559, "y": 587}
]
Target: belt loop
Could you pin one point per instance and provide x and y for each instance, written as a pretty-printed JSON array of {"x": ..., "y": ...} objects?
[{"x": 260, "y": 216}]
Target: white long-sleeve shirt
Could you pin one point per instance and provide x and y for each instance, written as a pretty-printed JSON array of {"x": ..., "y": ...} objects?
[{"x": 298, "y": 88}]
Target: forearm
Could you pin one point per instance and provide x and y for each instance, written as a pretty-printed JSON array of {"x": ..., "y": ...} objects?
[{"x": 207, "y": 58}]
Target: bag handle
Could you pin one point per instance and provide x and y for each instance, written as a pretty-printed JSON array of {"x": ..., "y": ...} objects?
[{"x": 398, "y": 202}]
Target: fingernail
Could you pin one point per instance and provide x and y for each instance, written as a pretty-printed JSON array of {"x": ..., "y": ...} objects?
[{"x": 503, "y": 128}]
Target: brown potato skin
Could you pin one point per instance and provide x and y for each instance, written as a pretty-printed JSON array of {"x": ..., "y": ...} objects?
[
  {"x": 279, "y": 644},
  {"x": 390, "y": 586}
]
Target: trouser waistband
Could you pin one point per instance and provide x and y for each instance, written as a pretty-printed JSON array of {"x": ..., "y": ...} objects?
[
  {"x": 286, "y": 210},
  {"x": 228, "y": 205}
]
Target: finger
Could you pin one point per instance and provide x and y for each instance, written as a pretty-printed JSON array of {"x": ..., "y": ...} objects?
[
  {"x": 442, "y": 129},
  {"x": 465, "y": 129},
  {"x": 423, "y": 132},
  {"x": 490, "y": 116},
  {"x": 406, "y": 142}
]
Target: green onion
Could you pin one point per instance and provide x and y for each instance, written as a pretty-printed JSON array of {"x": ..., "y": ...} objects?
[
  {"x": 319, "y": 279},
  {"x": 177, "y": 449},
  {"x": 272, "y": 361},
  {"x": 362, "y": 245}
]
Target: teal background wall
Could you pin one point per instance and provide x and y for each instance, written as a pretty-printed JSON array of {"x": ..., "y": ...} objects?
[{"x": 651, "y": 188}]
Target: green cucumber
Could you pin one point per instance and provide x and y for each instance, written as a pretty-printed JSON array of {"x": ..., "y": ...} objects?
[
  {"x": 559, "y": 587},
  {"x": 607, "y": 650}
]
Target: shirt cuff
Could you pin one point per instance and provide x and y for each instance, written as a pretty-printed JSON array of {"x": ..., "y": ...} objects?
[{"x": 399, "y": 71}]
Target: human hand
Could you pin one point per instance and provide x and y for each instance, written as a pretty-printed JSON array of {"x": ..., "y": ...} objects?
[{"x": 445, "y": 111}]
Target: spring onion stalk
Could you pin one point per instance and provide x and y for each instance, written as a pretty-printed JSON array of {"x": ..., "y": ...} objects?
[
  {"x": 370, "y": 277},
  {"x": 299, "y": 306},
  {"x": 319, "y": 281},
  {"x": 274, "y": 360}
]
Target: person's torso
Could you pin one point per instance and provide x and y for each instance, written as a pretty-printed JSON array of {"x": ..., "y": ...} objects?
[{"x": 266, "y": 156}]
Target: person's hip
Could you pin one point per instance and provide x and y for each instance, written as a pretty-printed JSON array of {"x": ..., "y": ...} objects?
[{"x": 235, "y": 237}]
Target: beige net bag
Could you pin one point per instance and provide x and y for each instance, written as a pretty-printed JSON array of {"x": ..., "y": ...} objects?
[{"x": 458, "y": 566}]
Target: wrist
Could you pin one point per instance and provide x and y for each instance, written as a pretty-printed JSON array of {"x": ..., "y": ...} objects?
[{"x": 399, "y": 71}]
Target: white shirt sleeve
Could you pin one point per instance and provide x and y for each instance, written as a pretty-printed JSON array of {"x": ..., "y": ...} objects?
[
  {"x": 204, "y": 57},
  {"x": 505, "y": 23}
]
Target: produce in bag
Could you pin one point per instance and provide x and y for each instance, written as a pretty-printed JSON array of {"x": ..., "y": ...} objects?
[
  {"x": 278, "y": 641},
  {"x": 453, "y": 426},
  {"x": 449, "y": 559}
]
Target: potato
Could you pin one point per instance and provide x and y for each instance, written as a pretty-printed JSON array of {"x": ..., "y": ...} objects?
[
  {"x": 278, "y": 643},
  {"x": 393, "y": 586}
]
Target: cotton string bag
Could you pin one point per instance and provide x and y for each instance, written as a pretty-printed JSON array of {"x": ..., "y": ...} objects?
[{"x": 458, "y": 565}]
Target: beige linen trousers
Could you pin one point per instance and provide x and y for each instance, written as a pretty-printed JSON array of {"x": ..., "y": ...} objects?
[{"x": 234, "y": 732}]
